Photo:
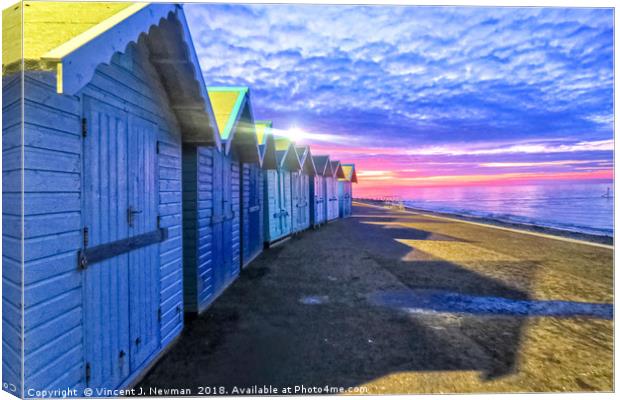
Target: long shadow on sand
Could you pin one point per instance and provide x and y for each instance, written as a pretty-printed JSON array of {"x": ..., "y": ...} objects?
[{"x": 263, "y": 331}]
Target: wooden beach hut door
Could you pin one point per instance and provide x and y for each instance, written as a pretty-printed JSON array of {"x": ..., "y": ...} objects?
[
  {"x": 285, "y": 202},
  {"x": 319, "y": 212},
  {"x": 334, "y": 203},
  {"x": 221, "y": 220},
  {"x": 341, "y": 191},
  {"x": 304, "y": 207},
  {"x": 121, "y": 281},
  {"x": 329, "y": 195},
  {"x": 296, "y": 200},
  {"x": 254, "y": 211},
  {"x": 273, "y": 205},
  {"x": 348, "y": 199}
]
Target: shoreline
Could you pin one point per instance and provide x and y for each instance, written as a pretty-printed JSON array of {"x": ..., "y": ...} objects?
[{"x": 575, "y": 235}]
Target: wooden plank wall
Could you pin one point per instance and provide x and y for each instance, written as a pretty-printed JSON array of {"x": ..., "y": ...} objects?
[
  {"x": 53, "y": 331},
  {"x": 12, "y": 233}
]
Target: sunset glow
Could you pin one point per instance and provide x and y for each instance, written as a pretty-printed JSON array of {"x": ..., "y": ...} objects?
[{"x": 497, "y": 96}]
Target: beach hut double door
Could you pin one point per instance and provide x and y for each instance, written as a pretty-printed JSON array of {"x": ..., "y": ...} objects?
[
  {"x": 222, "y": 223},
  {"x": 120, "y": 259},
  {"x": 331, "y": 198},
  {"x": 278, "y": 204},
  {"x": 300, "y": 186},
  {"x": 344, "y": 198},
  {"x": 251, "y": 184},
  {"x": 210, "y": 225},
  {"x": 317, "y": 193}
]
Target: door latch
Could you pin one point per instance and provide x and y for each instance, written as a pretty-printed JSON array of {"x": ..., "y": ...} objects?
[
  {"x": 82, "y": 260},
  {"x": 130, "y": 215}
]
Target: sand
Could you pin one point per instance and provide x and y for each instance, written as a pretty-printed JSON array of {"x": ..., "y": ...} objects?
[{"x": 303, "y": 314}]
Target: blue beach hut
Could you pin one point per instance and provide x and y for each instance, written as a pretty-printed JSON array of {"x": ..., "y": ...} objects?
[
  {"x": 109, "y": 97},
  {"x": 345, "y": 190},
  {"x": 212, "y": 209},
  {"x": 318, "y": 205},
  {"x": 300, "y": 186},
  {"x": 277, "y": 204},
  {"x": 331, "y": 190}
]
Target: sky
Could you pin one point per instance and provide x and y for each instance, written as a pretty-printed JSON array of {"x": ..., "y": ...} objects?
[{"x": 425, "y": 96}]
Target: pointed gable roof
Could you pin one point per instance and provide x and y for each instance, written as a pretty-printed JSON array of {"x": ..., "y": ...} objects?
[
  {"x": 305, "y": 158},
  {"x": 234, "y": 119},
  {"x": 266, "y": 144},
  {"x": 85, "y": 35},
  {"x": 337, "y": 169},
  {"x": 286, "y": 154},
  {"x": 322, "y": 165},
  {"x": 349, "y": 173}
]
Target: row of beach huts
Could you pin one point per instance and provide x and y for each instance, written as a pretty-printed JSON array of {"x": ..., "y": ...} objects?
[{"x": 133, "y": 193}]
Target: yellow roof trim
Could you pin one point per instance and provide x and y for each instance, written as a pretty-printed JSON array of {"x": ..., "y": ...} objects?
[
  {"x": 226, "y": 104},
  {"x": 58, "y": 53},
  {"x": 263, "y": 128},
  {"x": 348, "y": 172},
  {"x": 282, "y": 143},
  {"x": 260, "y": 132}
]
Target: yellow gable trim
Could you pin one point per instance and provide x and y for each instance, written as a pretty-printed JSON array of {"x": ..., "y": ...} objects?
[
  {"x": 282, "y": 144},
  {"x": 223, "y": 104},
  {"x": 260, "y": 132},
  {"x": 348, "y": 172},
  {"x": 120, "y": 12},
  {"x": 54, "y": 29}
]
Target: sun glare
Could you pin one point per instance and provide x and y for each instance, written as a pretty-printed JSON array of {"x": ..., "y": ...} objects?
[{"x": 295, "y": 134}]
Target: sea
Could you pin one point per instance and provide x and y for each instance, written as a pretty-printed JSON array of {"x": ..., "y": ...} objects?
[{"x": 583, "y": 208}]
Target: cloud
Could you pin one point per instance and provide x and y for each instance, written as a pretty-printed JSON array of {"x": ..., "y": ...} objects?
[
  {"x": 599, "y": 145},
  {"x": 464, "y": 149},
  {"x": 411, "y": 84}
]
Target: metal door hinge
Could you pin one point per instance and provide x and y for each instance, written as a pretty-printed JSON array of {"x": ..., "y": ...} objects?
[
  {"x": 84, "y": 127},
  {"x": 159, "y": 314},
  {"x": 87, "y": 373},
  {"x": 85, "y": 236},
  {"x": 157, "y": 147}
]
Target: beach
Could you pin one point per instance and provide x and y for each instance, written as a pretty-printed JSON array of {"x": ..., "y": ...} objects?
[
  {"x": 520, "y": 226},
  {"x": 391, "y": 301}
]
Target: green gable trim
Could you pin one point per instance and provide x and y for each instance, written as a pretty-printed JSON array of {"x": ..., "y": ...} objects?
[{"x": 242, "y": 89}]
